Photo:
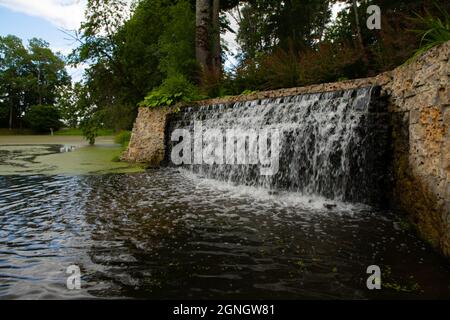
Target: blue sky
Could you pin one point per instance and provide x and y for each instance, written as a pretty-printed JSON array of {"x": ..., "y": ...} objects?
[
  {"x": 27, "y": 27},
  {"x": 43, "y": 19}
]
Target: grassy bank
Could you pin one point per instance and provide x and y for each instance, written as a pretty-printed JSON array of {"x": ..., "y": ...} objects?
[
  {"x": 78, "y": 132},
  {"x": 62, "y": 132}
]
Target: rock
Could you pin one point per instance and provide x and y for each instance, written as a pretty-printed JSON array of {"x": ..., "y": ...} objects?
[{"x": 330, "y": 206}]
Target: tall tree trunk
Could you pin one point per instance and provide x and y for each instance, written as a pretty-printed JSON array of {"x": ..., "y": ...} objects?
[
  {"x": 202, "y": 48},
  {"x": 358, "y": 27},
  {"x": 359, "y": 34},
  {"x": 216, "y": 48}
]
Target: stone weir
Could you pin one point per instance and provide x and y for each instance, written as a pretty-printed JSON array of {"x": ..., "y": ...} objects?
[
  {"x": 363, "y": 140},
  {"x": 331, "y": 144}
]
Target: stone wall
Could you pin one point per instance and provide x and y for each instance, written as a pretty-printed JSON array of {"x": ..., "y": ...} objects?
[
  {"x": 418, "y": 95},
  {"x": 147, "y": 138},
  {"x": 419, "y": 102}
]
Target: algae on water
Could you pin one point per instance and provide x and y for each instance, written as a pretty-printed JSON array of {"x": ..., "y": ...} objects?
[{"x": 55, "y": 160}]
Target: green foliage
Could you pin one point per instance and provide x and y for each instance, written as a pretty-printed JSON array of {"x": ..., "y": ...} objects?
[
  {"x": 123, "y": 138},
  {"x": 42, "y": 118},
  {"x": 91, "y": 126},
  {"x": 72, "y": 103},
  {"x": 123, "y": 56},
  {"x": 177, "y": 41},
  {"x": 266, "y": 25},
  {"x": 78, "y": 132},
  {"x": 130, "y": 56},
  {"x": 29, "y": 76},
  {"x": 90, "y": 132},
  {"x": 115, "y": 159},
  {"x": 434, "y": 30},
  {"x": 157, "y": 98},
  {"x": 173, "y": 90}
]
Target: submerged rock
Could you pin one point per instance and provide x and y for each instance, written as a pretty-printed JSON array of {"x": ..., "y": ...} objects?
[{"x": 329, "y": 206}]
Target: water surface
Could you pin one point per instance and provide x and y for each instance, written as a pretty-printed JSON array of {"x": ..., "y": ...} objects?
[{"x": 170, "y": 234}]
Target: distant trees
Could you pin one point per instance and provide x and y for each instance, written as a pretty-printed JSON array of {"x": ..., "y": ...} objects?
[
  {"x": 28, "y": 76},
  {"x": 43, "y": 118}
]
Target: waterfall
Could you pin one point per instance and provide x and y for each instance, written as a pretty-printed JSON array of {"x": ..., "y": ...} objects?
[{"x": 332, "y": 144}]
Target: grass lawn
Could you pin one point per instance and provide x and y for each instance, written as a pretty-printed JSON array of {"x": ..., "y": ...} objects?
[
  {"x": 62, "y": 132},
  {"x": 77, "y": 132}
]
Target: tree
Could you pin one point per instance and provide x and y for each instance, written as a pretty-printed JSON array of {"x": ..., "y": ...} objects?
[
  {"x": 177, "y": 42},
  {"x": 202, "y": 34},
  {"x": 268, "y": 25},
  {"x": 13, "y": 75},
  {"x": 208, "y": 30},
  {"x": 28, "y": 76},
  {"x": 124, "y": 56},
  {"x": 43, "y": 118}
]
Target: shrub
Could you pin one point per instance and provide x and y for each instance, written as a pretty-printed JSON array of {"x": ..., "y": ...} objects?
[
  {"x": 247, "y": 76},
  {"x": 282, "y": 69},
  {"x": 123, "y": 138},
  {"x": 91, "y": 126},
  {"x": 42, "y": 118},
  {"x": 434, "y": 30},
  {"x": 90, "y": 132},
  {"x": 175, "y": 88},
  {"x": 331, "y": 62}
]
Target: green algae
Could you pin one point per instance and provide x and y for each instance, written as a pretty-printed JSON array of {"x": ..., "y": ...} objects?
[
  {"x": 53, "y": 160},
  {"x": 89, "y": 160}
]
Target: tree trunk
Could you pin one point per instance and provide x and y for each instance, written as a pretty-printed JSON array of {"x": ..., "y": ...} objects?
[
  {"x": 359, "y": 34},
  {"x": 216, "y": 48},
  {"x": 202, "y": 48},
  {"x": 358, "y": 27}
]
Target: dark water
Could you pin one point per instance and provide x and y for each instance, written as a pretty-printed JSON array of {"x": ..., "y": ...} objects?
[{"x": 167, "y": 234}]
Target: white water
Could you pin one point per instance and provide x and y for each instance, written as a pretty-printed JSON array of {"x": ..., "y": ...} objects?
[{"x": 333, "y": 145}]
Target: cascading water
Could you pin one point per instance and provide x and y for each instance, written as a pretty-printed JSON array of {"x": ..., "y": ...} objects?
[{"x": 333, "y": 144}]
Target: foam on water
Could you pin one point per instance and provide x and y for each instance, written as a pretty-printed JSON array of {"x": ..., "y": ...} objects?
[{"x": 310, "y": 203}]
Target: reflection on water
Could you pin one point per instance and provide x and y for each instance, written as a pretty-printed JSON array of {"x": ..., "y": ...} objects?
[{"x": 167, "y": 234}]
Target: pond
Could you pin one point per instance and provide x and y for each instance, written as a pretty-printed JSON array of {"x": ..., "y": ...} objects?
[{"x": 167, "y": 233}]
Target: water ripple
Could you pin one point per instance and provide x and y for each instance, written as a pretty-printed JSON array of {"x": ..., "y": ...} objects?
[{"x": 169, "y": 234}]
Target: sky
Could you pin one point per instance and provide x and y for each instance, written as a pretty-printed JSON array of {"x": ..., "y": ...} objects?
[{"x": 46, "y": 18}]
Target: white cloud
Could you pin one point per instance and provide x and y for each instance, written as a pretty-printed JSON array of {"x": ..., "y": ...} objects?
[{"x": 66, "y": 14}]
